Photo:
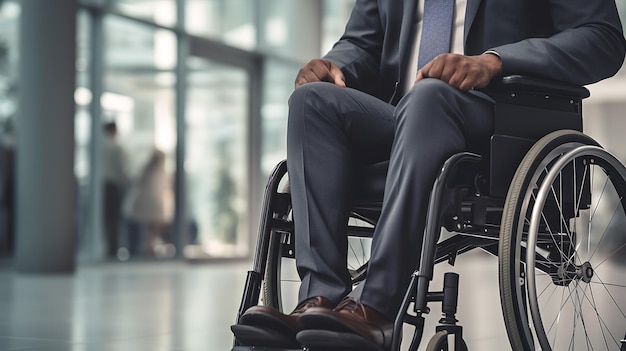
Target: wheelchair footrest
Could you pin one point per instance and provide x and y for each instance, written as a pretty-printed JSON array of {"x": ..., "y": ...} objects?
[
  {"x": 326, "y": 340},
  {"x": 261, "y": 348},
  {"x": 253, "y": 335}
]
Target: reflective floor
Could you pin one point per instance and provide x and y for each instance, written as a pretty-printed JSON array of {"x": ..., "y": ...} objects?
[
  {"x": 178, "y": 306},
  {"x": 122, "y": 306}
]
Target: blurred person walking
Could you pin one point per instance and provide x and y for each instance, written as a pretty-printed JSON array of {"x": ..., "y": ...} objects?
[
  {"x": 115, "y": 181},
  {"x": 150, "y": 202}
]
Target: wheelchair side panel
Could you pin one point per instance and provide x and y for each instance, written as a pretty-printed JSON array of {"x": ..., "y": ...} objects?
[{"x": 520, "y": 120}]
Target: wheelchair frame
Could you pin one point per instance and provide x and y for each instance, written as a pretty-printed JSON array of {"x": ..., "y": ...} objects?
[{"x": 468, "y": 198}]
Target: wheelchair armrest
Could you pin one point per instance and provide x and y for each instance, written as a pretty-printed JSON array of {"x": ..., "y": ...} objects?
[{"x": 518, "y": 83}]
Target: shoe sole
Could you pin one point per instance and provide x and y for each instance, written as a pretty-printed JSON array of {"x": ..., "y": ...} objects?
[
  {"x": 335, "y": 341},
  {"x": 318, "y": 321},
  {"x": 269, "y": 322},
  {"x": 258, "y": 336}
]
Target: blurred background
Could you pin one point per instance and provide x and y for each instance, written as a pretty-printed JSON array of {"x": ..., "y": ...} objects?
[
  {"x": 203, "y": 81},
  {"x": 146, "y": 130}
]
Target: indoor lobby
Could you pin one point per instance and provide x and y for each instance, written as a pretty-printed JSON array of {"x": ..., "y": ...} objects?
[{"x": 183, "y": 101}]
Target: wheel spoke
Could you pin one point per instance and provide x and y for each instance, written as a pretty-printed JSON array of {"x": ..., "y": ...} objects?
[
  {"x": 611, "y": 255},
  {"x": 592, "y": 215},
  {"x": 559, "y": 205},
  {"x": 544, "y": 290},
  {"x": 557, "y": 318},
  {"x": 356, "y": 257},
  {"x": 578, "y": 199},
  {"x": 608, "y": 284},
  {"x": 582, "y": 185},
  {"x": 604, "y": 233},
  {"x": 562, "y": 221},
  {"x": 563, "y": 304},
  {"x": 600, "y": 198},
  {"x": 601, "y": 322},
  {"x": 580, "y": 306},
  {"x": 574, "y": 320},
  {"x": 363, "y": 253},
  {"x": 610, "y": 294}
]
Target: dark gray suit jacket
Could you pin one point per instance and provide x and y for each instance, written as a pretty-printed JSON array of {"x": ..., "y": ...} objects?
[{"x": 572, "y": 41}]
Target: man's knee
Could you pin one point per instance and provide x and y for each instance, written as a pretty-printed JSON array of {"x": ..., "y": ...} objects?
[
  {"x": 317, "y": 103},
  {"x": 426, "y": 98},
  {"x": 430, "y": 90},
  {"x": 313, "y": 94}
]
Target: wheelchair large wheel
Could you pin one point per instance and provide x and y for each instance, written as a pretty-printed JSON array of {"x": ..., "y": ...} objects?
[
  {"x": 273, "y": 281},
  {"x": 562, "y": 243}
]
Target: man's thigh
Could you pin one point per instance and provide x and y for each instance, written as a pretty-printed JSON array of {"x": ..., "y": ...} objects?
[{"x": 343, "y": 117}]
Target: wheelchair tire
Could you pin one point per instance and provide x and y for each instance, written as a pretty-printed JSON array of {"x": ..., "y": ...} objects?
[
  {"x": 570, "y": 296},
  {"x": 439, "y": 342},
  {"x": 272, "y": 283}
]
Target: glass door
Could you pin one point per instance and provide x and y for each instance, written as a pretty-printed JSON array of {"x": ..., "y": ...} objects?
[
  {"x": 216, "y": 167},
  {"x": 138, "y": 141}
]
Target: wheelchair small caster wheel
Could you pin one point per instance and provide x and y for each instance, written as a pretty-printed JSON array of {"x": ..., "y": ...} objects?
[{"x": 439, "y": 342}]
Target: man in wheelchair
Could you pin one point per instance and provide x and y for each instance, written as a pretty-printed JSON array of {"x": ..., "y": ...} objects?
[{"x": 408, "y": 83}]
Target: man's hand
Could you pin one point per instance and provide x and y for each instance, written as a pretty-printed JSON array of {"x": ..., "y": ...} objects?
[
  {"x": 462, "y": 72},
  {"x": 319, "y": 70}
]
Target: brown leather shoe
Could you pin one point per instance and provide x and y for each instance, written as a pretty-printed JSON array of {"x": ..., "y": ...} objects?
[
  {"x": 349, "y": 317},
  {"x": 266, "y": 326}
]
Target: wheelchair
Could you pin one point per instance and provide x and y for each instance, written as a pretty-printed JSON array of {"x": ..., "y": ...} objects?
[{"x": 540, "y": 195}]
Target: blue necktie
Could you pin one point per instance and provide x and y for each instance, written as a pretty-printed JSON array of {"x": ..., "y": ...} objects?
[{"x": 436, "y": 30}]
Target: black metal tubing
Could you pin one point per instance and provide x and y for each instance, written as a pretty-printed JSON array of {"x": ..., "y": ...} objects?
[
  {"x": 422, "y": 277},
  {"x": 360, "y": 232},
  {"x": 260, "y": 256},
  {"x": 433, "y": 226},
  {"x": 400, "y": 317},
  {"x": 431, "y": 251},
  {"x": 255, "y": 276},
  {"x": 251, "y": 292}
]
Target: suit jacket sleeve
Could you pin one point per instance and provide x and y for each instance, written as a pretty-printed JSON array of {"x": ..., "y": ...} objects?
[
  {"x": 588, "y": 45},
  {"x": 358, "y": 52}
]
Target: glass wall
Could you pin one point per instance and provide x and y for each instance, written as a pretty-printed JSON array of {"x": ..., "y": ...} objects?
[
  {"x": 139, "y": 96},
  {"x": 282, "y": 35},
  {"x": 286, "y": 32},
  {"x": 336, "y": 14},
  {"x": 139, "y": 81},
  {"x": 161, "y": 12},
  {"x": 216, "y": 164},
  {"x": 128, "y": 72},
  {"x": 150, "y": 97},
  {"x": 277, "y": 88},
  {"x": 232, "y": 21}
]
